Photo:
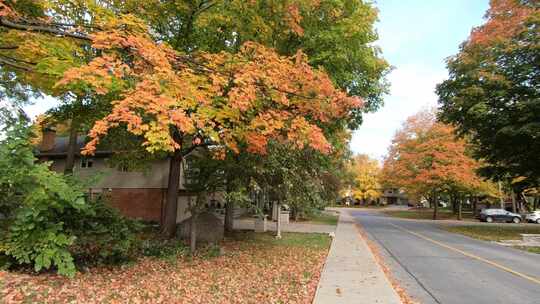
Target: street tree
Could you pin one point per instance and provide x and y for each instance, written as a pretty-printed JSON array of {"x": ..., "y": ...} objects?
[
  {"x": 492, "y": 94},
  {"x": 426, "y": 160},
  {"x": 183, "y": 40},
  {"x": 367, "y": 186}
]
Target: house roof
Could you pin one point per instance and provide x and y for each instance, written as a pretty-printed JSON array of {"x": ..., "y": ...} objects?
[{"x": 61, "y": 146}]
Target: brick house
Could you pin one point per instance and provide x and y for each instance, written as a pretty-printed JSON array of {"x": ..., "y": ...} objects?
[{"x": 136, "y": 194}]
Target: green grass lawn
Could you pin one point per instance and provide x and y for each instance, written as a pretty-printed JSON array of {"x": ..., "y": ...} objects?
[
  {"x": 324, "y": 219},
  {"x": 497, "y": 233},
  {"x": 426, "y": 214},
  {"x": 494, "y": 232},
  {"x": 529, "y": 249}
]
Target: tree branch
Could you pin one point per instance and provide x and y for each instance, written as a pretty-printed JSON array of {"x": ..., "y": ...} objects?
[
  {"x": 9, "y": 62},
  {"x": 44, "y": 28}
]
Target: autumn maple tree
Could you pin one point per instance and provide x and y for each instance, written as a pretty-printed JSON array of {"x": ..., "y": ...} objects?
[
  {"x": 367, "y": 186},
  {"x": 426, "y": 159},
  {"x": 177, "y": 101}
]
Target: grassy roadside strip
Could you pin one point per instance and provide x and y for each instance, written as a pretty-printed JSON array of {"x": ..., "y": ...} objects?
[
  {"x": 425, "y": 214},
  {"x": 324, "y": 219},
  {"x": 496, "y": 233}
]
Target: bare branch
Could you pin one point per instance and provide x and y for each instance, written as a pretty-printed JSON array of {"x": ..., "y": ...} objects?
[
  {"x": 44, "y": 28},
  {"x": 14, "y": 64}
]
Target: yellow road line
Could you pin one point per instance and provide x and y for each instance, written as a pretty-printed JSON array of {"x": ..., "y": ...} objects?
[{"x": 470, "y": 255}]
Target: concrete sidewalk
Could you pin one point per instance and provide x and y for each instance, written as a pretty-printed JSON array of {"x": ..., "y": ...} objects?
[
  {"x": 249, "y": 224},
  {"x": 351, "y": 274}
]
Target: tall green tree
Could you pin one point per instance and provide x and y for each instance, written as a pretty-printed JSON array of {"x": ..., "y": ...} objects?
[{"x": 493, "y": 92}]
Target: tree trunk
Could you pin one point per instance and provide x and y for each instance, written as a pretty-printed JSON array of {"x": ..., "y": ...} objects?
[
  {"x": 193, "y": 232},
  {"x": 459, "y": 207},
  {"x": 535, "y": 203},
  {"x": 72, "y": 147},
  {"x": 501, "y": 195},
  {"x": 453, "y": 201},
  {"x": 435, "y": 206},
  {"x": 229, "y": 217},
  {"x": 168, "y": 228},
  {"x": 513, "y": 201},
  {"x": 474, "y": 206}
]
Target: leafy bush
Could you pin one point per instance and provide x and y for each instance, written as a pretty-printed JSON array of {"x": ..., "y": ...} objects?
[
  {"x": 38, "y": 197},
  {"x": 50, "y": 221},
  {"x": 103, "y": 235}
]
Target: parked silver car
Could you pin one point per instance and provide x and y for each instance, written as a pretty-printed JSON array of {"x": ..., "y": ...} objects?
[
  {"x": 499, "y": 215},
  {"x": 533, "y": 217}
]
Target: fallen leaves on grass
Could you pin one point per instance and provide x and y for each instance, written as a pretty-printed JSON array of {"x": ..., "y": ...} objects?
[{"x": 252, "y": 271}]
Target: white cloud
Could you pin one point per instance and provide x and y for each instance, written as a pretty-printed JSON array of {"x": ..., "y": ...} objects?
[
  {"x": 413, "y": 89},
  {"x": 40, "y": 105}
]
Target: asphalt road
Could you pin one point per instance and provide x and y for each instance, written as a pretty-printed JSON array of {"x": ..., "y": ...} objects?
[{"x": 435, "y": 266}]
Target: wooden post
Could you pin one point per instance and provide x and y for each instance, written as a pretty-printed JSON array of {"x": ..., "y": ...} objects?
[{"x": 278, "y": 235}]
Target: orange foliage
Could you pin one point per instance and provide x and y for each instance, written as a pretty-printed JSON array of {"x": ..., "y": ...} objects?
[
  {"x": 505, "y": 19},
  {"x": 5, "y": 9},
  {"x": 426, "y": 156},
  {"x": 226, "y": 99}
]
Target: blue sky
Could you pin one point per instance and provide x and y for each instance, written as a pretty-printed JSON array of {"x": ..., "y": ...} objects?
[{"x": 415, "y": 36}]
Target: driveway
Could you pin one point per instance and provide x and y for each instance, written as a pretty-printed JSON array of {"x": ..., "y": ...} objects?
[{"x": 435, "y": 266}]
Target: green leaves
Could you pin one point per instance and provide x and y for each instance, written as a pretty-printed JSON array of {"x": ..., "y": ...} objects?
[
  {"x": 492, "y": 93},
  {"x": 35, "y": 198}
]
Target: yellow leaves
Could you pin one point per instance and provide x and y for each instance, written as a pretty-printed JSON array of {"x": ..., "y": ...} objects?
[
  {"x": 366, "y": 177},
  {"x": 158, "y": 139}
]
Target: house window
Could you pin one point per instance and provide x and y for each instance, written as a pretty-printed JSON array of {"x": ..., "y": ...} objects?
[{"x": 87, "y": 162}]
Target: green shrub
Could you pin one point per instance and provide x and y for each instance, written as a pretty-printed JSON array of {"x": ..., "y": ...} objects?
[
  {"x": 50, "y": 222},
  {"x": 37, "y": 235},
  {"x": 103, "y": 235}
]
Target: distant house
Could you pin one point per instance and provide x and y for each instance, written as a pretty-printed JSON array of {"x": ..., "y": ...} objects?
[
  {"x": 136, "y": 194},
  {"x": 394, "y": 196}
]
